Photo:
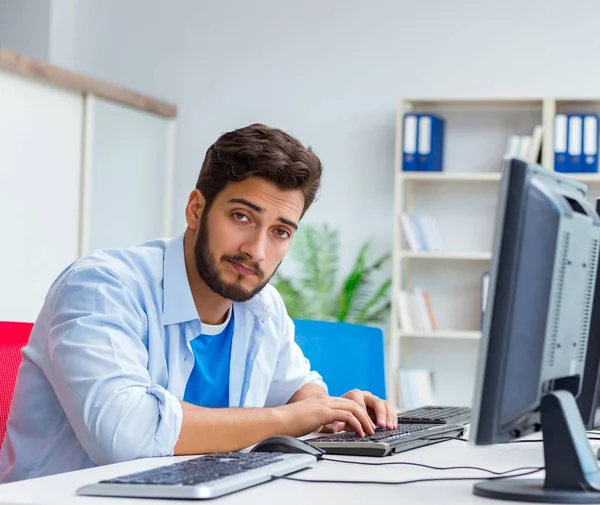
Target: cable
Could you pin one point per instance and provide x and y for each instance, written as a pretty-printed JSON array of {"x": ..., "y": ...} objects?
[
  {"x": 391, "y": 463},
  {"x": 541, "y": 440},
  {"x": 398, "y": 483},
  {"x": 536, "y": 441}
]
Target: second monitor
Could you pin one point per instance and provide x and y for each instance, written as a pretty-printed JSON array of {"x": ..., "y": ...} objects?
[{"x": 535, "y": 335}]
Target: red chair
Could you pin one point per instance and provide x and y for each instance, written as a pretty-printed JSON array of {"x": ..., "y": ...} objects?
[{"x": 13, "y": 336}]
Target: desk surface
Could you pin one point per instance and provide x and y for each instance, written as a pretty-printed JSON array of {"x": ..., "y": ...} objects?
[{"x": 60, "y": 489}]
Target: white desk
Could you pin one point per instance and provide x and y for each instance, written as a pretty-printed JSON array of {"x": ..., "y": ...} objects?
[{"x": 60, "y": 489}]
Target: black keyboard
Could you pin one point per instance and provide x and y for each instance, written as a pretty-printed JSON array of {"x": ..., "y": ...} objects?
[
  {"x": 385, "y": 442},
  {"x": 436, "y": 415},
  {"x": 381, "y": 434},
  {"x": 199, "y": 470}
]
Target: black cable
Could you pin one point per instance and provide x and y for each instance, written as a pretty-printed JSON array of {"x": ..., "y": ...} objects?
[
  {"x": 397, "y": 483},
  {"x": 541, "y": 440},
  {"x": 391, "y": 463},
  {"x": 536, "y": 441}
]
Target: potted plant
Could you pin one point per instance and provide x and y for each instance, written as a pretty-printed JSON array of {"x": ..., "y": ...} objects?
[{"x": 316, "y": 293}]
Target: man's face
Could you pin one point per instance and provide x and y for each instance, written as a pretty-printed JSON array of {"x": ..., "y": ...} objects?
[{"x": 244, "y": 235}]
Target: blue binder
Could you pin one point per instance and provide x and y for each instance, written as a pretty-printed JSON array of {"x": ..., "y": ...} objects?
[
  {"x": 430, "y": 143},
  {"x": 590, "y": 143},
  {"x": 561, "y": 134},
  {"x": 575, "y": 144},
  {"x": 409, "y": 143}
]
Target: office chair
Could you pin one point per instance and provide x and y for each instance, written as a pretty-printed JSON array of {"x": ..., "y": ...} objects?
[
  {"x": 348, "y": 356},
  {"x": 13, "y": 336}
]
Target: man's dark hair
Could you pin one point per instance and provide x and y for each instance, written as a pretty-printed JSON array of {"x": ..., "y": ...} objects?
[{"x": 260, "y": 151}]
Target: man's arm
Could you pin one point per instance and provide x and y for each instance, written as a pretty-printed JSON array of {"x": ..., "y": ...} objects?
[
  {"x": 206, "y": 430},
  {"x": 307, "y": 391},
  {"x": 96, "y": 363},
  {"x": 292, "y": 372}
]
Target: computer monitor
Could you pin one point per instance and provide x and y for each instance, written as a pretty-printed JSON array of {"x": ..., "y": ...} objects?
[
  {"x": 535, "y": 333},
  {"x": 588, "y": 400}
]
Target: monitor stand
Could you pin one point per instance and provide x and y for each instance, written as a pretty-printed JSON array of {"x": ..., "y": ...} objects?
[{"x": 572, "y": 473}]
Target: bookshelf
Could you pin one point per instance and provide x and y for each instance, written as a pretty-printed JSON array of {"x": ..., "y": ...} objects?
[{"x": 462, "y": 200}]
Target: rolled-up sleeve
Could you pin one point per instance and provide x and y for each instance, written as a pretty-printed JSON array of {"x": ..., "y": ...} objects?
[
  {"x": 292, "y": 370},
  {"x": 96, "y": 362}
]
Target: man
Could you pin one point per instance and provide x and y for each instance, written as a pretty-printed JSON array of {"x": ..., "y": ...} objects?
[{"x": 180, "y": 346}]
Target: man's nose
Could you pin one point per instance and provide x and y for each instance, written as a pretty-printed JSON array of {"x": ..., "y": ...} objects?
[{"x": 255, "y": 246}]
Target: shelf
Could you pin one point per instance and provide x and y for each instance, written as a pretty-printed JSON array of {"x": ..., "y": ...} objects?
[
  {"x": 583, "y": 177},
  {"x": 480, "y": 177},
  {"x": 443, "y": 334},
  {"x": 419, "y": 102},
  {"x": 442, "y": 255},
  {"x": 452, "y": 176}
]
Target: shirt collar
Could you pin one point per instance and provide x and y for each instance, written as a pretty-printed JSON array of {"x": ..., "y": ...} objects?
[
  {"x": 259, "y": 306},
  {"x": 178, "y": 303}
]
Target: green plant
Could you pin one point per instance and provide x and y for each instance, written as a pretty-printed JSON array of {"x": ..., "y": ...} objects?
[{"x": 315, "y": 292}]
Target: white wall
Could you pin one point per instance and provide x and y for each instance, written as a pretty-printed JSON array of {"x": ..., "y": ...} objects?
[
  {"x": 330, "y": 72},
  {"x": 25, "y": 26}
]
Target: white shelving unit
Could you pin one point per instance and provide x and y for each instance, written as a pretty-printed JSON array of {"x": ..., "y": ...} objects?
[{"x": 462, "y": 198}]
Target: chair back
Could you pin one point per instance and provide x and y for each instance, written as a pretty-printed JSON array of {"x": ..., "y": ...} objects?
[
  {"x": 13, "y": 336},
  {"x": 348, "y": 356}
]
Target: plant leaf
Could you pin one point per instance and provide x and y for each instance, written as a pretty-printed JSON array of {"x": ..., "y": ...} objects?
[
  {"x": 380, "y": 294},
  {"x": 379, "y": 315},
  {"x": 380, "y": 262},
  {"x": 293, "y": 299},
  {"x": 314, "y": 292},
  {"x": 317, "y": 249},
  {"x": 352, "y": 283}
]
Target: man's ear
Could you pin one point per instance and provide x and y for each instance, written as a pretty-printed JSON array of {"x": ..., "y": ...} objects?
[{"x": 195, "y": 206}]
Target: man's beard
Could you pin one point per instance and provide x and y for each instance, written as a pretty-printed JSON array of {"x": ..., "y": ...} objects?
[{"x": 206, "y": 266}]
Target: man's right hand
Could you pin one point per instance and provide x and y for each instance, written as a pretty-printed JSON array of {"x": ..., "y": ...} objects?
[{"x": 309, "y": 415}]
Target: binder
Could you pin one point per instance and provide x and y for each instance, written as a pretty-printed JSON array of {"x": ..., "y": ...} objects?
[
  {"x": 430, "y": 143},
  {"x": 409, "y": 143},
  {"x": 485, "y": 286},
  {"x": 575, "y": 144},
  {"x": 561, "y": 131},
  {"x": 590, "y": 143}
]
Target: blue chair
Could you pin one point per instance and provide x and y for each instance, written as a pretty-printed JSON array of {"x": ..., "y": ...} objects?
[{"x": 348, "y": 356}]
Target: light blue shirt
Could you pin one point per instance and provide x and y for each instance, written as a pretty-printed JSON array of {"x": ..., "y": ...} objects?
[
  {"x": 109, "y": 358},
  {"x": 208, "y": 385}
]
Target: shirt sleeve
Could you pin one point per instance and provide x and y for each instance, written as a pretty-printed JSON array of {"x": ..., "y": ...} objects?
[
  {"x": 292, "y": 370},
  {"x": 96, "y": 362}
]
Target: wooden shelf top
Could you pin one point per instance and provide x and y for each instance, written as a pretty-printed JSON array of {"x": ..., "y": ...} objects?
[{"x": 27, "y": 66}]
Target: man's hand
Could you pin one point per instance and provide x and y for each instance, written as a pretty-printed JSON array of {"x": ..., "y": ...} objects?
[
  {"x": 311, "y": 414},
  {"x": 379, "y": 411}
]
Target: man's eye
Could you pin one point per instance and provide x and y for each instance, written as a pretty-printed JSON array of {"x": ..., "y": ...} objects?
[
  {"x": 239, "y": 216},
  {"x": 281, "y": 233}
]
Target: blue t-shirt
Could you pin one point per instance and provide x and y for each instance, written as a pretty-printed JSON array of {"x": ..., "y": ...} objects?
[{"x": 208, "y": 385}]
